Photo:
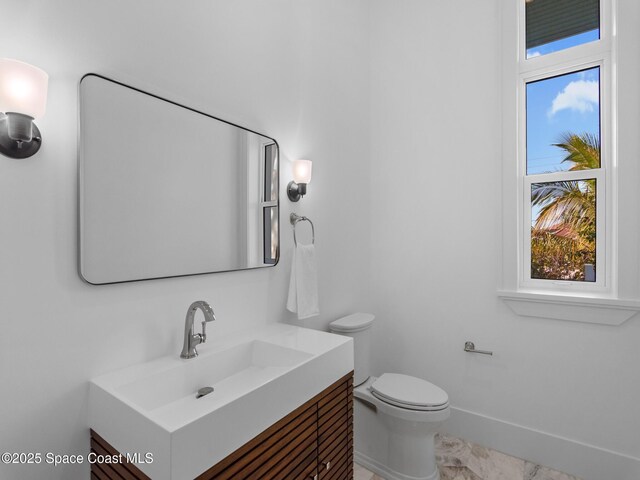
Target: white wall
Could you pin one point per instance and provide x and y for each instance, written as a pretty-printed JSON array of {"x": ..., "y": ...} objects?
[
  {"x": 436, "y": 231},
  {"x": 296, "y": 70},
  {"x": 426, "y": 90}
]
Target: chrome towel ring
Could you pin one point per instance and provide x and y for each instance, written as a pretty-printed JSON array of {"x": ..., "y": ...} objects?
[{"x": 294, "y": 219}]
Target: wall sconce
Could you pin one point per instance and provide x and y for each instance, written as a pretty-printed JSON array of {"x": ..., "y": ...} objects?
[
  {"x": 23, "y": 98},
  {"x": 297, "y": 188}
]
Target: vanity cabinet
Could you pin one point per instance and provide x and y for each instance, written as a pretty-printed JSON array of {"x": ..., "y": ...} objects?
[
  {"x": 335, "y": 432},
  {"x": 315, "y": 441}
]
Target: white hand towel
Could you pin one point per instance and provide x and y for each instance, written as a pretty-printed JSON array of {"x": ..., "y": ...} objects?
[{"x": 303, "y": 286}]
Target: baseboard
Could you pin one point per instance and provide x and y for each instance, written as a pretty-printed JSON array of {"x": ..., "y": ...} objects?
[
  {"x": 585, "y": 461},
  {"x": 384, "y": 472},
  {"x": 371, "y": 465}
]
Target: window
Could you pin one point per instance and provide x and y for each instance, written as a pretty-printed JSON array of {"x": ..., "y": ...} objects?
[
  {"x": 570, "y": 202},
  {"x": 554, "y": 25},
  {"x": 563, "y": 141},
  {"x": 563, "y": 165}
]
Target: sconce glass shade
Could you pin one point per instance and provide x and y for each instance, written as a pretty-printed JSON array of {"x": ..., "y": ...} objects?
[
  {"x": 23, "y": 98},
  {"x": 302, "y": 171},
  {"x": 297, "y": 188},
  {"x": 23, "y": 88}
]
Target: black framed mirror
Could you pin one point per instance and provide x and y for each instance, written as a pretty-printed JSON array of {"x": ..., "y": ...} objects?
[{"x": 166, "y": 190}]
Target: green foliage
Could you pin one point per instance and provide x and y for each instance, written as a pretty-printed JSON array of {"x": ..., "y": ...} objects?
[
  {"x": 557, "y": 258},
  {"x": 583, "y": 151},
  {"x": 563, "y": 238}
]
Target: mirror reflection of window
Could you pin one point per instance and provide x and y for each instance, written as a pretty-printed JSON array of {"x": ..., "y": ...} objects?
[
  {"x": 270, "y": 209},
  {"x": 271, "y": 173}
]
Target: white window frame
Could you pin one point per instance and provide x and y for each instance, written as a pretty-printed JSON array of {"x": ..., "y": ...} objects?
[
  {"x": 595, "y": 302},
  {"x": 604, "y": 224}
]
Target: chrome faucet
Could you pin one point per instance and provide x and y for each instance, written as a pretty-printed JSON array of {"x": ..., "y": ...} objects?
[{"x": 192, "y": 339}]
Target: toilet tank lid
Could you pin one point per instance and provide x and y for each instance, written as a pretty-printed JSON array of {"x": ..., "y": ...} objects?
[{"x": 352, "y": 323}]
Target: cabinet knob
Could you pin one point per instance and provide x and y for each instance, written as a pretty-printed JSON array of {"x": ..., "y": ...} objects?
[{"x": 326, "y": 465}]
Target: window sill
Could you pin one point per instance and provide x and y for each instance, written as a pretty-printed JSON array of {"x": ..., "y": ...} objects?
[{"x": 598, "y": 310}]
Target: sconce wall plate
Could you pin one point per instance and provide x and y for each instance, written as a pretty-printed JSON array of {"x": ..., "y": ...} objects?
[
  {"x": 14, "y": 148},
  {"x": 295, "y": 191}
]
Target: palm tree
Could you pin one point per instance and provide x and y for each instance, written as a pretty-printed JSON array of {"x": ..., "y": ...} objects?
[
  {"x": 564, "y": 234},
  {"x": 568, "y": 208},
  {"x": 583, "y": 150}
]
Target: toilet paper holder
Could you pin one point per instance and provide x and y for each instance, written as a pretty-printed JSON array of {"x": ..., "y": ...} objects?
[{"x": 471, "y": 348}]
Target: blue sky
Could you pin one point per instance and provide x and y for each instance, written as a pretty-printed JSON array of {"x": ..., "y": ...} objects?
[
  {"x": 566, "y": 103},
  {"x": 564, "y": 43}
]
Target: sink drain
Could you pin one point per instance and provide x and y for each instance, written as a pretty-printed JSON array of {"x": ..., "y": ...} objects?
[{"x": 204, "y": 391}]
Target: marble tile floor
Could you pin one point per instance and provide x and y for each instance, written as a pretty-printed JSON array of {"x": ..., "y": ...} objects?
[{"x": 462, "y": 460}]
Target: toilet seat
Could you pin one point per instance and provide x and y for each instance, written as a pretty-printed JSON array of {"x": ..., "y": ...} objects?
[{"x": 409, "y": 392}]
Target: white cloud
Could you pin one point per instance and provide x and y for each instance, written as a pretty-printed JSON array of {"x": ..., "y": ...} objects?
[
  {"x": 533, "y": 54},
  {"x": 580, "y": 96}
]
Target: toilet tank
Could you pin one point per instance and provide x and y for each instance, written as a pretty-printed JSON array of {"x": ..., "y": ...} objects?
[{"x": 358, "y": 327}]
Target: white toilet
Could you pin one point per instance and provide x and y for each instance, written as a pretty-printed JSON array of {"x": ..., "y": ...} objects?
[{"x": 396, "y": 417}]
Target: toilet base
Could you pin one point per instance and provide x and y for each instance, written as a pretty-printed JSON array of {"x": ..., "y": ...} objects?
[
  {"x": 385, "y": 472},
  {"x": 395, "y": 443}
]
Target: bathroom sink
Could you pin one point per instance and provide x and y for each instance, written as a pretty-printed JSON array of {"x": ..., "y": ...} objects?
[
  {"x": 257, "y": 378},
  {"x": 232, "y": 372}
]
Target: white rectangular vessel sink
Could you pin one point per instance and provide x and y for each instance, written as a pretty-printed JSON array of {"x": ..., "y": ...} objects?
[
  {"x": 232, "y": 372},
  {"x": 257, "y": 378}
]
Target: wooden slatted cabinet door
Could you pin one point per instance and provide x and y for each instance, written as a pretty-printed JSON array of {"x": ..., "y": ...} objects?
[
  {"x": 111, "y": 471},
  {"x": 287, "y": 449},
  {"x": 335, "y": 432}
]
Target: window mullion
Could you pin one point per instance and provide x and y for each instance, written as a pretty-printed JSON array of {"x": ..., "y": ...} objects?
[
  {"x": 584, "y": 54},
  {"x": 565, "y": 176}
]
